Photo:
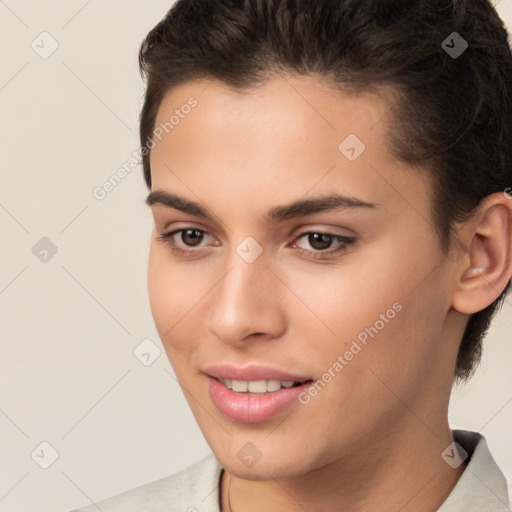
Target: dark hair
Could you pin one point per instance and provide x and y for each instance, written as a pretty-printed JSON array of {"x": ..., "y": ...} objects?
[{"x": 452, "y": 115}]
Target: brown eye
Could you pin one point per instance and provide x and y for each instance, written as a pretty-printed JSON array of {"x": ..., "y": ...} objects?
[
  {"x": 185, "y": 240},
  {"x": 192, "y": 237},
  {"x": 320, "y": 241},
  {"x": 323, "y": 244}
]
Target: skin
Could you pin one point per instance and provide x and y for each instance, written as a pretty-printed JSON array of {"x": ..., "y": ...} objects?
[{"x": 372, "y": 438}]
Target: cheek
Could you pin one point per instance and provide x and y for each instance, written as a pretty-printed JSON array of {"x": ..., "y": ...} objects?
[
  {"x": 370, "y": 313},
  {"x": 343, "y": 299},
  {"x": 399, "y": 358},
  {"x": 173, "y": 293}
]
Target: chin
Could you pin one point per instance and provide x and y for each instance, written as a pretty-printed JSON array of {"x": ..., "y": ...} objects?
[
  {"x": 269, "y": 461},
  {"x": 278, "y": 468}
]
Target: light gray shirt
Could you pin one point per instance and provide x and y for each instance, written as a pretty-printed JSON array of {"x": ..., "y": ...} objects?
[{"x": 481, "y": 488}]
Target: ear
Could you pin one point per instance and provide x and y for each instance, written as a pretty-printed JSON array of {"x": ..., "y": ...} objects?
[{"x": 486, "y": 268}]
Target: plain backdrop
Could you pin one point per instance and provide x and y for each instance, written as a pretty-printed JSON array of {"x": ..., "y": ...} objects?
[{"x": 73, "y": 299}]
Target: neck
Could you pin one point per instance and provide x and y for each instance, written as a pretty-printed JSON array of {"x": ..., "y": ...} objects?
[{"x": 391, "y": 472}]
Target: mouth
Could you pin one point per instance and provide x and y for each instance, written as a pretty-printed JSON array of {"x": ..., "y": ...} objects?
[
  {"x": 257, "y": 400},
  {"x": 259, "y": 387}
]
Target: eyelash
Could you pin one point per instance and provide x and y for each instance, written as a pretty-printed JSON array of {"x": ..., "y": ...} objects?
[{"x": 345, "y": 243}]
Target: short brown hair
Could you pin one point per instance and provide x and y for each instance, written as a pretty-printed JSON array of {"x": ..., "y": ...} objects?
[{"x": 453, "y": 114}]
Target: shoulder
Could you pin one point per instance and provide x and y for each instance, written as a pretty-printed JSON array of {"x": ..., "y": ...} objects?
[{"x": 194, "y": 489}]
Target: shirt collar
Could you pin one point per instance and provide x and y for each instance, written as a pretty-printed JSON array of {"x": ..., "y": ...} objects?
[{"x": 482, "y": 487}]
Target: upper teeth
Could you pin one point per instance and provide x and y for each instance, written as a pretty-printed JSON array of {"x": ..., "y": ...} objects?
[{"x": 256, "y": 386}]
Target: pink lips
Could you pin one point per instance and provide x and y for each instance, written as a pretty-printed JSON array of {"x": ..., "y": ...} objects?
[{"x": 252, "y": 407}]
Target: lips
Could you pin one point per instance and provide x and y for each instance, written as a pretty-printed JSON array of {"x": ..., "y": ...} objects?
[{"x": 253, "y": 394}]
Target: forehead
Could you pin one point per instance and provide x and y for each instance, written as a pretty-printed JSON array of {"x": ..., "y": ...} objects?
[
  {"x": 285, "y": 137},
  {"x": 284, "y": 109}
]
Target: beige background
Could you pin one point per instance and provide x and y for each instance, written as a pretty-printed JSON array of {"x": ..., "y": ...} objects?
[{"x": 69, "y": 326}]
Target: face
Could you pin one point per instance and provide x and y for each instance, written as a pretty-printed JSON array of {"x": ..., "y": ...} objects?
[{"x": 296, "y": 249}]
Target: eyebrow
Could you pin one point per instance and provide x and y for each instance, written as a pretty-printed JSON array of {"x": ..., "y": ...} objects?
[{"x": 300, "y": 208}]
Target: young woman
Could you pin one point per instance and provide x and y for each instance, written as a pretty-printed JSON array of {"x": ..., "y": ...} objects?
[{"x": 329, "y": 182}]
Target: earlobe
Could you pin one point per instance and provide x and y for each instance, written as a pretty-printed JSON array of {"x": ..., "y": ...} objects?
[{"x": 484, "y": 274}]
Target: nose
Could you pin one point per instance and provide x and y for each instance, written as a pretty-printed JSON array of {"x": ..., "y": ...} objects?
[{"x": 246, "y": 304}]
